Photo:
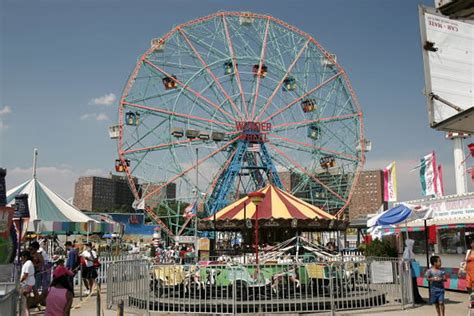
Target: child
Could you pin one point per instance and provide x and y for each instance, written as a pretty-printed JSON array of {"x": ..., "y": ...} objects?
[{"x": 436, "y": 277}]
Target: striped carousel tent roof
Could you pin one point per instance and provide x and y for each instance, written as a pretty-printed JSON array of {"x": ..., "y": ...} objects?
[
  {"x": 55, "y": 213},
  {"x": 277, "y": 204}
]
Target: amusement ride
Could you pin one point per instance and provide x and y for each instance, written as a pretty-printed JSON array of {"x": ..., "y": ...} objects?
[{"x": 228, "y": 103}]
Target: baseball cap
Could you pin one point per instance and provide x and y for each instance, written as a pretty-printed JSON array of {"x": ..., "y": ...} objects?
[{"x": 60, "y": 271}]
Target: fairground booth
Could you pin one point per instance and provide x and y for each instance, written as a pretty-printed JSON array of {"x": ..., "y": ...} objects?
[{"x": 449, "y": 231}]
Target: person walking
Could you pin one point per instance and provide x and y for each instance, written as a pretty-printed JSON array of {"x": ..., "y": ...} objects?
[
  {"x": 409, "y": 256},
  {"x": 27, "y": 280},
  {"x": 436, "y": 277},
  {"x": 89, "y": 256},
  {"x": 38, "y": 262},
  {"x": 59, "y": 297},
  {"x": 72, "y": 261}
]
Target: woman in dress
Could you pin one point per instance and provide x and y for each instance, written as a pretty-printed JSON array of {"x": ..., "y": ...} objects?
[{"x": 59, "y": 297}]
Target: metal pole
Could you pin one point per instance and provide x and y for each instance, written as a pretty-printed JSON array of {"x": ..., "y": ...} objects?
[
  {"x": 427, "y": 257},
  {"x": 98, "y": 300},
  {"x": 196, "y": 217},
  {"x": 459, "y": 166},
  {"x": 35, "y": 155},
  {"x": 256, "y": 233}
]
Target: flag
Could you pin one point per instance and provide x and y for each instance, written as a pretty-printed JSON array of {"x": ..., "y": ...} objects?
[
  {"x": 390, "y": 183},
  {"x": 190, "y": 210},
  {"x": 429, "y": 175},
  {"x": 439, "y": 182},
  {"x": 254, "y": 148}
]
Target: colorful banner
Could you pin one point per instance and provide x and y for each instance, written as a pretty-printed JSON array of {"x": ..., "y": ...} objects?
[
  {"x": 390, "y": 183},
  {"x": 429, "y": 175}
]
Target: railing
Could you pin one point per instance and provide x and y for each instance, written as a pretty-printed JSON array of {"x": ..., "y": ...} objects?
[
  {"x": 266, "y": 288},
  {"x": 104, "y": 265},
  {"x": 8, "y": 299}
]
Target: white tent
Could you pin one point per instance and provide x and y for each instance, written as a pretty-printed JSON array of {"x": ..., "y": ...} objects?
[{"x": 51, "y": 211}]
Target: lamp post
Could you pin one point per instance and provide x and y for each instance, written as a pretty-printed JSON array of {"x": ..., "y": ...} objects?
[
  {"x": 22, "y": 212},
  {"x": 256, "y": 198}
]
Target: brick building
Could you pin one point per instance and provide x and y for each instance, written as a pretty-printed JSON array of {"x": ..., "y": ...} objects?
[
  {"x": 101, "y": 194},
  {"x": 367, "y": 197}
]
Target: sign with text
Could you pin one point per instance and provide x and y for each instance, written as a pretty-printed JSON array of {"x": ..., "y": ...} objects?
[
  {"x": 381, "y": 272},
  {"x": 448, "y": 62}
]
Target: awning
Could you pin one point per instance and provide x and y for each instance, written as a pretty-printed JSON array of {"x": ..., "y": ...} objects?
[{"x": 277, "y": 209}]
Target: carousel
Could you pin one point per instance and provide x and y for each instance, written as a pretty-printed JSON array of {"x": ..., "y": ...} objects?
[{"x": 277, "y": 215}]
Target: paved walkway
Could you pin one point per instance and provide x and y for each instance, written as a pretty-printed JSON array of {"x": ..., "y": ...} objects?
[{"x": 456, "y": 305}]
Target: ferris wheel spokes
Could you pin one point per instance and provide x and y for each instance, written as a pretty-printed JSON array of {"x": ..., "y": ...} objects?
[
  {"x": 171, "y": 113},
  {"x": 189, "y": 89},
  {"x": 209, "y": 71},
  {"x": 260, "y": 66},
  {"x": 318, "y": 148},
  {"x": 280, "y": 83},
  {"x": 303, "y": 123},
  {"x": 289, "y": 105},
  {"x": 298, "y": 166},
  {"x": 179, "y": 175},
  {"x": 234, "y": 65}
]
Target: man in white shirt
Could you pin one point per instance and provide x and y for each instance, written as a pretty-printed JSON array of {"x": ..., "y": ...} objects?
[{"x": 27, "y": 279}]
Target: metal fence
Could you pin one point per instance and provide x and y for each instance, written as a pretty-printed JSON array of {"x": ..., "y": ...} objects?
[
  {"x": 8, "y": 299},
  {"x": 267, "y": 288},
  {"x": 104, "y": 265}
]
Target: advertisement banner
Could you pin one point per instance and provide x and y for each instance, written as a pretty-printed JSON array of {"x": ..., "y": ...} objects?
[{"x": 390, "y": 183}]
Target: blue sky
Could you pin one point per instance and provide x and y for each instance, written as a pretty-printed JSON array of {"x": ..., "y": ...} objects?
[{"x": 60, "y": 61}]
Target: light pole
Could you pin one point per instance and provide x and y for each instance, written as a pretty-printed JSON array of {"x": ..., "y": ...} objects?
[
  {"x": 256, "y": 198},
  {"x": 22, "y": 212}
]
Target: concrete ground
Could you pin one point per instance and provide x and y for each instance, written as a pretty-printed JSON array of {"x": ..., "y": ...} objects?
[{"x": 456, "y": 304}]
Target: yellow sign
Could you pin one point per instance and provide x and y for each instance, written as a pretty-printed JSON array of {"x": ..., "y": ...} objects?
[
  {"x": 204, "y": 244},
  {"x": 315, "y": 271}
]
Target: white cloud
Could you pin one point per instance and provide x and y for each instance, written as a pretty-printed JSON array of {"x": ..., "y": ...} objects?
[
  {"x": 101, "y": 117},
  {"x": 95, "y": 172},
  {"x": 5, "y": 110},
  {"x": 94, "y": 116},
  {"x": 107, "y": 99}
]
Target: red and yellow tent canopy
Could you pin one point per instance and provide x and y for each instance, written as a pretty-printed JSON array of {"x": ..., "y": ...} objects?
[
  {"x": 276, "y": 204},
  {"x": 277, "y": 209}
]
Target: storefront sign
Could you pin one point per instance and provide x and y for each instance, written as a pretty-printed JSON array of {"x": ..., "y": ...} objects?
[{"x": 185, "y": 239}]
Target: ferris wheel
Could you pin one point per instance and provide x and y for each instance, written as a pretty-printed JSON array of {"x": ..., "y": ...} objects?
[{"x": 223, "y": 105}]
